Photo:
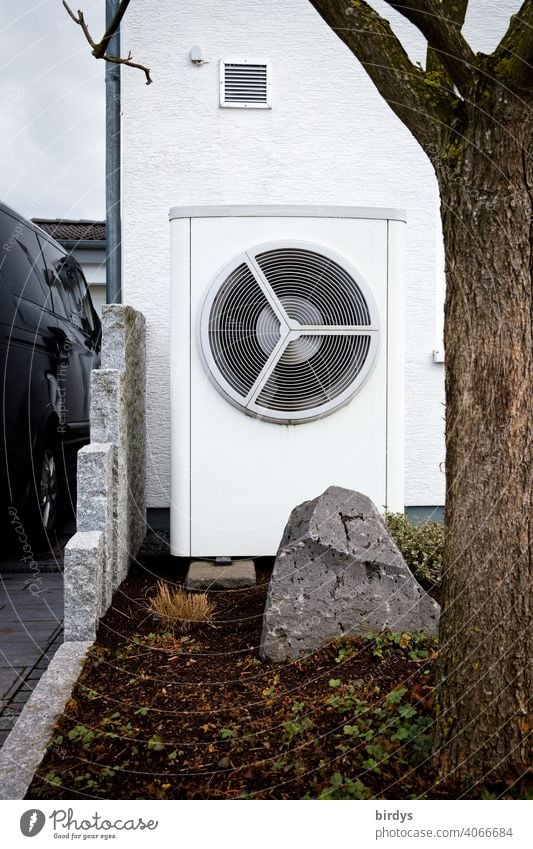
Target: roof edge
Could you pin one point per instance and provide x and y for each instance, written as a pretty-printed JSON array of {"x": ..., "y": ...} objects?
[
  {"x": 85, "y": 244},
  {"x": 68, "y": 221}
]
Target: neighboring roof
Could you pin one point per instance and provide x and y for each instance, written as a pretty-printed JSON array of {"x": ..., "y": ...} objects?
[{"x": 66, "y": 230}]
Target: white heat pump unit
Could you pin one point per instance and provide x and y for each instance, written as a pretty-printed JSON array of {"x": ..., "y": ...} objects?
[{"x": 286, "y": 368}]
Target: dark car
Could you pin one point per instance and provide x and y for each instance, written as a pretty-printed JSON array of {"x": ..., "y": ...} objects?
[{"x": 50, "y": 342}]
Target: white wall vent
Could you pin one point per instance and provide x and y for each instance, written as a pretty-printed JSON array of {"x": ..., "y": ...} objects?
[{"x": 245, "y": 83}]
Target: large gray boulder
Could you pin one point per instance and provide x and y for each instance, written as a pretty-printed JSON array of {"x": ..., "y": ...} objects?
[{"x": 338, "y": 573}]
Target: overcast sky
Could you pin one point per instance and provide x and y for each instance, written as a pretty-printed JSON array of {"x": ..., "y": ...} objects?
[{"x": 52, "y": 118}]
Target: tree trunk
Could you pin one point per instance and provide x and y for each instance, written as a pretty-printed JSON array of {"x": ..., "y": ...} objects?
[{"x": 485, "y": 690}]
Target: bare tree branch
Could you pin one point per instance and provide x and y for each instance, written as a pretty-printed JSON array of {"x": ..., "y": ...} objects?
[
  {"x": 99, "y": 48},
  {"x": 443, "y": 35},
  {"x": 514, "y": 54},
  {"x": 127, "y": 61},
  {"x": 80, "y": 20},
  {"x": 420, "y": 104}
]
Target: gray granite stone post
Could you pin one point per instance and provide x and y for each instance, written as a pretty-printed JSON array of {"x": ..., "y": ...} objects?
[
  {"x": 111, "y": 510},
  {"x": 109, "y": 424},
  {"x": 95, "y": 507},
  {"x": 84, "y": 567},
  {"x": 124, "y": 348}
]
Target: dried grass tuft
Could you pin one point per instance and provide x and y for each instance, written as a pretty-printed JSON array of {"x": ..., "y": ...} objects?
[{"x": 179, "y": 609}]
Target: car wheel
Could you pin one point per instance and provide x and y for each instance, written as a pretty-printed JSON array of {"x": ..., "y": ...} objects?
[
  {"x": 47, "y": 483},
  {"x": 44, "y": 497}
]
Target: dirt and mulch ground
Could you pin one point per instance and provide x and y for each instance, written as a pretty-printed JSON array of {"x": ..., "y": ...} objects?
[{"x": 156, "y": 715}]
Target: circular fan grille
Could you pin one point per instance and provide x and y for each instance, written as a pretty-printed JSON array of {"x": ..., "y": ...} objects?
[{"x": 288, "y": 333}]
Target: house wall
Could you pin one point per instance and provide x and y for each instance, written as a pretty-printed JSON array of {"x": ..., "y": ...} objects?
[{"x": 329, "y": 139}]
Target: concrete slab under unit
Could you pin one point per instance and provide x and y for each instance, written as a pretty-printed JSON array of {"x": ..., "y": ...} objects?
[{"x": 206, "y": 575}]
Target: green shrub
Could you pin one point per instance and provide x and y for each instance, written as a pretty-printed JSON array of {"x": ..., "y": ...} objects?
[{"x": 421, "y": 546}]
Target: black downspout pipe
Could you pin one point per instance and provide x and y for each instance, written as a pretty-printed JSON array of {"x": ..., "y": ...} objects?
[{"x": 112, "y": 162}]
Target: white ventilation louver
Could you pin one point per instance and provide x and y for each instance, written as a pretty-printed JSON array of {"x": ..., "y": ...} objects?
[
  {"x": 245, "y": 83},
  {"x": 288, "y": 333}
]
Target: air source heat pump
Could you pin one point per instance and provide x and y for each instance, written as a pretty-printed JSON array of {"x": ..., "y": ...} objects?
[{"x": 286, "y": 368}]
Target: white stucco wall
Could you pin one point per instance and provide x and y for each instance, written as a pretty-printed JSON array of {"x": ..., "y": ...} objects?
[{"x": 329, "y": 139}]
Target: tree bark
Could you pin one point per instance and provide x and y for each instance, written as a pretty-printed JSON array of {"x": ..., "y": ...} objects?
[
  {"x": 473, "y": 115},
  {"x": 485, "y": 691}
]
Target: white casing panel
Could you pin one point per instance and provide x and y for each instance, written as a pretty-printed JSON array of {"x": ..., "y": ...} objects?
[{"x": 235, "y": 478}]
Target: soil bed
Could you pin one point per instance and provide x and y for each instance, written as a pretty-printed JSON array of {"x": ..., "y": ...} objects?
[{"x": 162, "y": 716}]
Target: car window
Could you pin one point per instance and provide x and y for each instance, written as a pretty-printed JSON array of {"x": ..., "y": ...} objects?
[
  {"x": 88, "y": 311},
  {"x": 21, "y": 262},
  {"x": 75, "y": 284},
  {"x": 51, "y": 264},
  {"x": 69, "y": 286}
]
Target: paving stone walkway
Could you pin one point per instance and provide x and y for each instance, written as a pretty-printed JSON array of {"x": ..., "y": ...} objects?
[{"x": 31, "y": 630}]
